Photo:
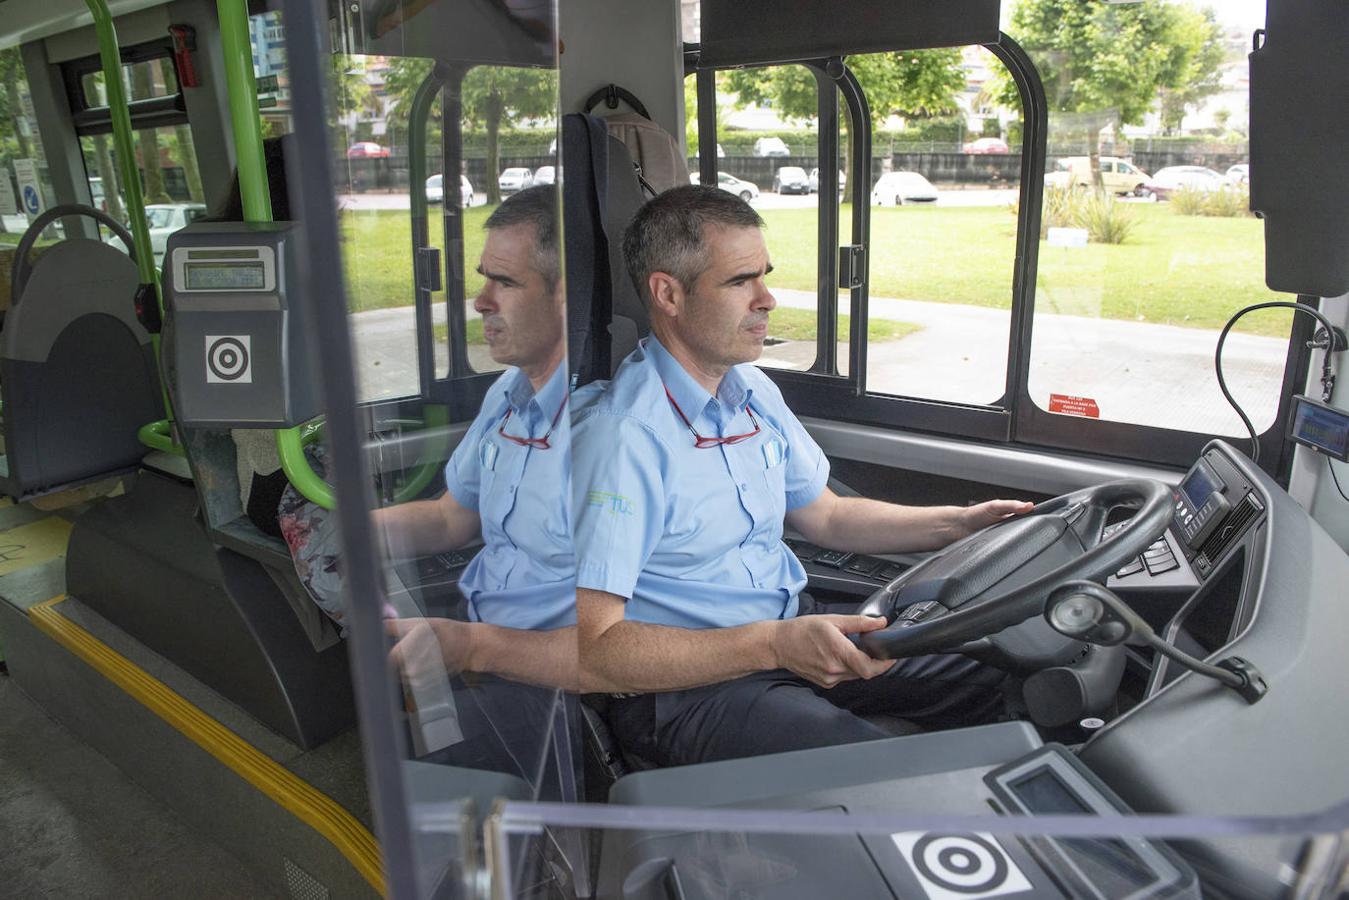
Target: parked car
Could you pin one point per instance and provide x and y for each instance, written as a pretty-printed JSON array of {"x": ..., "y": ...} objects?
[
  {"x": 545, "y": 175},
  {"x": 771, "y": 146},
  {"x": 791, "y": 180},
  {"x": 367, "y": 150},
  {"x": 1239, "y": 174},
  {"x": 515, "y": 179},
  {"x": 987, "y": 145},
  {"x": 721, "y": 154},
  {"x": 815, "y": 181},
  {"x": 900, "y": 188},
  {"x": 435, "y": 190},
  {"x": 1174, "y": 178},
  {"x": 163, "y": 219},
  {"x": 1120, "y": 176},
  {"x": 745, "y": 190}
]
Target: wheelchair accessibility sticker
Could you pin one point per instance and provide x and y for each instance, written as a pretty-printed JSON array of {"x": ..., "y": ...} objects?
[
  {"x": 228, "y": 359},
  {"x": 964, "y": 866}
]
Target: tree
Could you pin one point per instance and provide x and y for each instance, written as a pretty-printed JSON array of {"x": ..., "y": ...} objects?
[
  {"x": 497, "y": 95},
  {"x": 152, "y": 175},
  {"x": 1108, "y": 63},
  {"x": 912, "y": 83},
  {"x": 183, "y": 151},
  {"x": 1197, "y": 61}
]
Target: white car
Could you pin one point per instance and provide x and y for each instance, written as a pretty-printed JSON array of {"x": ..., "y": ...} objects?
[
  {"x": 1168, "y": 181},
  {"x": 1239, "y": 174},
  {"x": 791, "y": 180},
  {"x": 515, "y": 179},
  {"x": 545, "y": 175},
  {"x": 745, "y": 190},
  {"x": 771, "y": 146},
  {"x": 163, "y": 219},
  {"x": 899, "y": 188},
  {"x": 815, "y": 181},
  {"x": 435, "y": 190}
]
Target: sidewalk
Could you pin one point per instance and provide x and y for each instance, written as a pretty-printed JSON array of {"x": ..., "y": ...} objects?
[{"x": 1137, "y": 372}]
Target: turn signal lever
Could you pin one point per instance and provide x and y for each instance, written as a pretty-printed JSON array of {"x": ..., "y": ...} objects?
[{"x": 1087, "y": 611}]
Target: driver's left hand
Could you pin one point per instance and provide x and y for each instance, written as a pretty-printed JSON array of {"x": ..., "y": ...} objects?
[{"x": 982, "y": 515}]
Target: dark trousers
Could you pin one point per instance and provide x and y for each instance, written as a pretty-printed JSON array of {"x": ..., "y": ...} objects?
[{"x": 772, "y": 712}]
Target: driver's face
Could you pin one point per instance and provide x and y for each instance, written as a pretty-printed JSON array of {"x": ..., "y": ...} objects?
[
  {"x": 522, "y": 316},
  {"x": 724, "y": 319}
]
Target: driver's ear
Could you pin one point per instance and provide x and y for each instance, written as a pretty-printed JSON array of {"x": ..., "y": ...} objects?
[{"x": 667, "y": 294}]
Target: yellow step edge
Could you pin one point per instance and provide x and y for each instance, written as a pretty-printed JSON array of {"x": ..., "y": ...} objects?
[{"x": 352, "y": 839}]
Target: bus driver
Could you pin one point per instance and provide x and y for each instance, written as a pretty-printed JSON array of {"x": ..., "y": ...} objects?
[{"x": 689, "y": 604}]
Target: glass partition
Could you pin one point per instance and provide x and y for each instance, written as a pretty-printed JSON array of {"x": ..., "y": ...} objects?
[{"x": 455, "y": 312}]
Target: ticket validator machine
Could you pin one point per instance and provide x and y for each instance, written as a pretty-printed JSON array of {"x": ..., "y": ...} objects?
[{"x": 240, "y": 354}]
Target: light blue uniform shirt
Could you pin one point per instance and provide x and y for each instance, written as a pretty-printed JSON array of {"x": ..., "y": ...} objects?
[
  {"x": 693, "y": 537},
  {"x": 524, "y": 577}
]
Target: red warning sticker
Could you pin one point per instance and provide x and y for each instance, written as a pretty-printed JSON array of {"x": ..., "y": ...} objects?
[{"x": 1074, "y": 406}]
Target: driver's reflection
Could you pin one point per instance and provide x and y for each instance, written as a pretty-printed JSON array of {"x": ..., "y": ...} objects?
[{"x": 506, "y": 481}]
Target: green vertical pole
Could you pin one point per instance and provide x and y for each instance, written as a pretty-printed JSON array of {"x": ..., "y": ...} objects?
[{"x": 242, "y": 90}]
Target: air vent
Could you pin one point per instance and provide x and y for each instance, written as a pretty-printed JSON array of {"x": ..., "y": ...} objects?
[{"x": 1226, "y": 534}]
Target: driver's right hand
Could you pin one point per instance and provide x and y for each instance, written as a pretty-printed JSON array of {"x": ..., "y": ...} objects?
[{"x": 817, "y": 648}]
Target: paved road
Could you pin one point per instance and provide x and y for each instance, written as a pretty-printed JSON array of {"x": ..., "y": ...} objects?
[{"x": 1137, "y": 372}]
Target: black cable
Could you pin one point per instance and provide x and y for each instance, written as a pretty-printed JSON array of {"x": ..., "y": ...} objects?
[
  {"x": 1330, "y": 464},
  {"x": 1326, "y": 378}
]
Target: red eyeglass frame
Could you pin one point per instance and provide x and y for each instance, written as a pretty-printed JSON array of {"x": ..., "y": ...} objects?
[
  {"x": 538, "y": 443},
  {"x": 702, "y": 443}
]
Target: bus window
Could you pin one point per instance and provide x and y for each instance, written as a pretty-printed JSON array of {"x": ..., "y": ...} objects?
[
  {"x": 1142, "y": 264},
  {"x": 942, "y": 242},
  {"x": 144, "y": 80},
  {"x": 21, "y": 152},
  {"x": 267, "y": 37}
]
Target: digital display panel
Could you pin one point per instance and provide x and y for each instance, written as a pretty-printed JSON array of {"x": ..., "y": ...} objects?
[
  {"x": 1321, "y": 427},
  {"x": 1198, "y": 486},
  {"x": 225, "y": 276},
  {"x": 1110, "y": 864}
]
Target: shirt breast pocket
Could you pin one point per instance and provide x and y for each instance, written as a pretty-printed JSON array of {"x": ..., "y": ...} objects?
[{"x": 775, "y": 471}]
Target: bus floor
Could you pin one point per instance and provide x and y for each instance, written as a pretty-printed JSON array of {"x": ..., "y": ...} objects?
[{"x": 72, "y": 825}]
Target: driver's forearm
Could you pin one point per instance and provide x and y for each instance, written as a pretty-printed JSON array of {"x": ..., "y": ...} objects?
[
  {"x": 545, "y": 658},
  {"x": 640, "y": 658},
  {"x": 860, "y": 525},
  {"x": 420, "y": 528}
]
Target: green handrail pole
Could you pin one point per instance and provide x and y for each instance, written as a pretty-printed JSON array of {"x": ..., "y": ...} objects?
[
  {"x": 111, "y": 56},
  {"x": 256, "y": 194},
  {"x": 242, "y": 91}
]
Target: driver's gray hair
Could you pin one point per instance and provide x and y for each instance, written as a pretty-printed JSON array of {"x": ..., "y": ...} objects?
[
  {"x": 535, "y": 206},
  {"x": 667, "y": 236}
]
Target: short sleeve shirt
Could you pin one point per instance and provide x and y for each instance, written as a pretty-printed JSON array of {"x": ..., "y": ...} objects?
[
  {"x": 524, "y": 577},
  {"x": 692, "y": 537}
]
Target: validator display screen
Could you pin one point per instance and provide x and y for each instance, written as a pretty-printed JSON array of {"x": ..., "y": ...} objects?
[
  {"x": 232, "y": 276},
  {"x": 1327, "y": 429},
  {"x": 1198, "y": 486}
]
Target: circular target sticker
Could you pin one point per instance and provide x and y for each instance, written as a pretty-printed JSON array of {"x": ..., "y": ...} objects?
[
  {"x": 951, "y": 866},
  {"x": 228, "y": 359}
]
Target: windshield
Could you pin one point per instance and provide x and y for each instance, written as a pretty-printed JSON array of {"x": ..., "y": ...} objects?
[{"x": 160, "y": 217}]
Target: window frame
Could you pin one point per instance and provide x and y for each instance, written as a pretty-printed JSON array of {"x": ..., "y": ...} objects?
[
  {"x": 154, "y": 112},
  {"x": 1013, "y": 419}
]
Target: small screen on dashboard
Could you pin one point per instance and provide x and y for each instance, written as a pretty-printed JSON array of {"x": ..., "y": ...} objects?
[
  {"x": 1198, "y": 486},
  {"x": 1322, "y": 427}
]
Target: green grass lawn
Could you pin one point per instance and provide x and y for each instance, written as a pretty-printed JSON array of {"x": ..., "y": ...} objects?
[{"x": 1179, "y": 270}]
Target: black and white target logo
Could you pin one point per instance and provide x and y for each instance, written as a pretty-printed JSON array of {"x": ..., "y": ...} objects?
[
  {"x": 229, "y": 359},
  {"x": 960, "y": 866}
]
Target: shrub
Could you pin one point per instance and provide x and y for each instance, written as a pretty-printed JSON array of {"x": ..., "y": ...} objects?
[
  {"x": 1107, "y": 220},
  {"x": 1228, "y": 203},
  {"x": 1062, "y": 209},
  {"x": 1189, "y": 201}
]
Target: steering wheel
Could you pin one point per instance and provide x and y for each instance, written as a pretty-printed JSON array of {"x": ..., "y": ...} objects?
[{"x": 1000, "y": 576}]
